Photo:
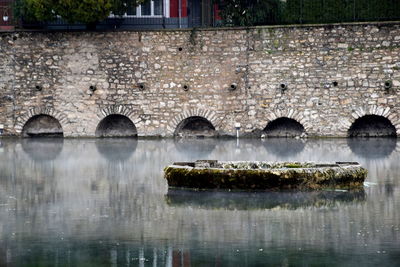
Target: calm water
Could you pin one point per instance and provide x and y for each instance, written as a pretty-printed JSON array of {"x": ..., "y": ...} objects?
[{"x": 105, "y": 203}]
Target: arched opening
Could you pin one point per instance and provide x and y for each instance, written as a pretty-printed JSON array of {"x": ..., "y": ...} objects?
[
  {"x": 195, "y": 126},
  {"x": 116, "y": 125},
  {"x": 42, "y": 126},
  {"x": 372, "y": 126},
  {"x": 283, "y": 127}
]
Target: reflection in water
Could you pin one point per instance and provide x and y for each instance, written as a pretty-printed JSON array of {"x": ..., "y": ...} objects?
[
  {"x": 116, "y": 149},
  {"x": 201, "y": 147},
  {"x": 260, "y": 200},
  {"x": 372, "y": 148},
  {"x": 284, "y": 147},
  {"x": 42, "y": 149},
  {"x": 79, "y": 209}
]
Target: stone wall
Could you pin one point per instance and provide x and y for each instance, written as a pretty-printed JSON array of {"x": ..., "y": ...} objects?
[{"x": 332, "y": 74}]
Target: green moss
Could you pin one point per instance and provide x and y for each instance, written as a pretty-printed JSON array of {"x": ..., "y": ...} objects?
[
  {"x": 293, "y": 165},
  {"x": 350, "y": 49},
  {"x": 256, "y": 176},
  {"x": 276, "y": 43},
  {"x": 192, "y": 37}
]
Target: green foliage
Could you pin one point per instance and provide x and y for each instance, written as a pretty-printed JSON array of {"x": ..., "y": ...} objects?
[
  {"x": 250, "y": 12},
  {"x": 84, "y": 11},
  {"x": 330, "y": 11},
  {"x": 264, "y": 12}
]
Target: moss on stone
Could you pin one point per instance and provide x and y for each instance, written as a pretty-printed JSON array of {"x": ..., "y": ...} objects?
[{"x": 261, "y": 176}]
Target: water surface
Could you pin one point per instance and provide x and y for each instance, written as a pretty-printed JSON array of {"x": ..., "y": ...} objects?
[{"x": 98, "y": 202}]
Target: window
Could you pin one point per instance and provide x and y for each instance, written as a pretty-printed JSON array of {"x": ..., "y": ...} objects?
[{"x": 148, "y": 9}]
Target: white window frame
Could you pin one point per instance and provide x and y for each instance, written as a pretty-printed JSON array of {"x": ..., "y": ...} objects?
[{"x": 139, "y": 11}]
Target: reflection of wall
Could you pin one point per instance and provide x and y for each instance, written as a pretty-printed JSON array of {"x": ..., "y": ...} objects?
[
  {"x": 83, "y": 197},
  {"x": 261, "y": 200}
]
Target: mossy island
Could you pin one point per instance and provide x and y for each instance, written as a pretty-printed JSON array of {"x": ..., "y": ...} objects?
[{"x": 261, "y": 175}]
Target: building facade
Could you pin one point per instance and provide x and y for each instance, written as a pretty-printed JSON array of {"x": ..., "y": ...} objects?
[
  {"x": 6, "y": 15},
  {"x": 153, "y": 14}
]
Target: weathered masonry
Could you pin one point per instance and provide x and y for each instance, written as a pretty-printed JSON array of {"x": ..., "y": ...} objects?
[{"x": 333, "y": 80}]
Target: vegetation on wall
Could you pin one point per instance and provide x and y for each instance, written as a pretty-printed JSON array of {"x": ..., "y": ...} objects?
[
  {"x": 232, "y": 12},
  {"x": 250, "y": 12},
  {"x": 88, "y": 12},
  {"x": 266, "y": 12}
]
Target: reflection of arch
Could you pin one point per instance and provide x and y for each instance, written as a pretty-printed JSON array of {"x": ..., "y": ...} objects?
[
  {"x": 195, "y": 126},
  {"x": 209, "y": 115},
  {"x": 372, "y": 148},
  {"x": 284, "y": 127},
  {"x": 43, "y": 149},
  {"x": 116, "y": 125},
  {"x": 372, "y": 126},
  {"x": 284, "y": 147},
  {"x": 42, "y": 126},
  {"x": 116, "y": 149},
  {"x": 194, "y": 148}
]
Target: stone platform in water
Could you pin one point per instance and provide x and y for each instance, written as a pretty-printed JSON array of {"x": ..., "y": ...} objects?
[{"x": 261, "y": 175}]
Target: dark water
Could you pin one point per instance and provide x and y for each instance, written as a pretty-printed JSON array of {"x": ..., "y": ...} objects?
[{"x": 105, "y": 203}]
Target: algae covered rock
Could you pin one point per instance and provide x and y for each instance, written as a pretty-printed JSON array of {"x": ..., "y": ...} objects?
[{"x": 259, "y": 175}]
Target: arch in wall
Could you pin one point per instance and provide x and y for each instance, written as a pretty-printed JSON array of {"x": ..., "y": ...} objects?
[
  {"x": 372, "y": 126},
  {"x": 284, "y": 127},
  {"x": 381, "y": 112},
  {"x": 28, "y": 116},
  {"x": 116, "y": 125},
  {"x": 42, "y": 125},
  {"x": 275, "y": 114},
  {"x": 195, "y": 126},
  {"x": 124, "y": 110},
  {"x": 209, "y": 115}
]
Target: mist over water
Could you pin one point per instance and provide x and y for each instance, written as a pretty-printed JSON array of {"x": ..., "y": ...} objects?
[{"x": 104, "y": 202}]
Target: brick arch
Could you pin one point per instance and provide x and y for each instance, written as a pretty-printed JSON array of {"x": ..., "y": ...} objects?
[
  {"x": 211, "y": 116},
  {"x": 23, "y": 119},
  {"x": 287, "y": 113},
  {"x": 359, "y": 112},
  {"x": 124, "y": 110}
]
